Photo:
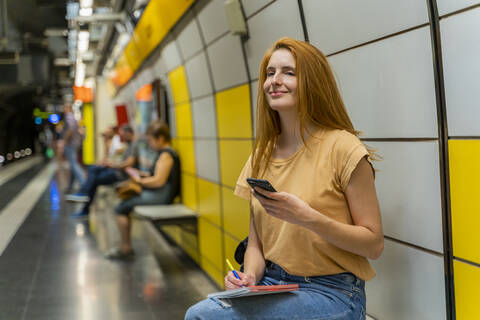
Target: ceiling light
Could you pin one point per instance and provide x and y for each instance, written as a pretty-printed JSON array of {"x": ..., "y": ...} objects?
[
  {"x": 85, "y": 12},
  {"x": 86, "y": 3}
]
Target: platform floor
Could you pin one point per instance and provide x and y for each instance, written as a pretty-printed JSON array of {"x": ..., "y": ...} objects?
[{"x": 53, "y": 267}]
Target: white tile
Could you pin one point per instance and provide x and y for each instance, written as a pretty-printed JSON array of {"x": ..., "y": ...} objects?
[
  {"x": 251, "y": 6},
  {"x": 448, "y": 6},
  {"x": 197, "y": 76},
  {"x": 204, "y": 119},
  {"x": 188, "y": 36},
  {"x": 159, "y": 68},
  {"x": 212, "y": 18},
  {"x": 388, "y": 86},
  {"x": 267, "y": 27},
  {"x": 227, "y": 63},
  {"x": 410, "y": 284},
  {"x": 461, "y": 70},
  {"x": 334, "y": 25},
  {"x": 206, "y": 156},
  {"x": 409, "y": 193},
  {"x": 171, "y": 55}
]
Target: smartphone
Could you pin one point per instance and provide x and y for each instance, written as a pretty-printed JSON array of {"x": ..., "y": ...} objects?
[
  {"x": 264, "y": 184},
  {"x": 132, "y": 172}
]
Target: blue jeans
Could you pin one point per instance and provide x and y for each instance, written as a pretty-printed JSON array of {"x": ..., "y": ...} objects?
[
  {"x": 162, "y": 195},
  {"x": 339, "y": 296},
  {"x": 98, "y": 176},
  {"x": 76, "y": 171}
]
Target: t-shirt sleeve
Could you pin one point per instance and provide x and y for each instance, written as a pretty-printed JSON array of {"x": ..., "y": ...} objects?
[
  {"x": 349, "y": 150},
  {"x": 242, "y": 188}
]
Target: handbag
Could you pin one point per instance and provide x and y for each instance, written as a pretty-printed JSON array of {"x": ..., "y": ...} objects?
[
  {"x": 128, "y": 189},
  {"x": 240, "y": 251}
]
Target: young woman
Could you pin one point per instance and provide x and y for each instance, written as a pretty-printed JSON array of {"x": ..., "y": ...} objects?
[
  {"x": 324, "y": 222},
  {"x": 159, "y": 186}
]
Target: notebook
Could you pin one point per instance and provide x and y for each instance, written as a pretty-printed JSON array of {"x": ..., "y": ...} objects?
[{"x": 254, "y": 291}]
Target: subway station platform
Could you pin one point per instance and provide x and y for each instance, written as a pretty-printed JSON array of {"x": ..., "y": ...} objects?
[{"x": 52, "y": 266}]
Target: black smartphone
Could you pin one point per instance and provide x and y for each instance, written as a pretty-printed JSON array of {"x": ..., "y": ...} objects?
[{"x": 264, "y": 184}]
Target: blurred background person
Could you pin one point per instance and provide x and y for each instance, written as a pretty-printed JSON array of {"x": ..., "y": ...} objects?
[
  {"x": 72, "y": 141},
  {"x": 106, "y": 173}
]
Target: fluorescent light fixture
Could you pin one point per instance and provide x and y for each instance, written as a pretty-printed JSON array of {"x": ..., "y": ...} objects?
[
  {"x": 85, "y": 12},
  {"x": 80, "y": 74},
  {"x": 55, "y": 32},
  {"x": 62, "y": 62},
  {"x": 83, "y": 39},
  {"x": 86, "y": 3}
]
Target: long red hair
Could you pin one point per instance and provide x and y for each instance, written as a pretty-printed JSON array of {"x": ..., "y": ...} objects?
[{"x": 318, "y": 100}]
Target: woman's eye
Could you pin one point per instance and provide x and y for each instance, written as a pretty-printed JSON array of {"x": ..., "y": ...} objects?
[
  {"x": 291, "y": 73},
  {"x": 270, "y": 74}
]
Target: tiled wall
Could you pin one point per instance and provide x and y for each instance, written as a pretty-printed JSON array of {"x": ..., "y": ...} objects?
[
  {"x": 461, "y": 66},
  {"x": 381, "y": 53}
]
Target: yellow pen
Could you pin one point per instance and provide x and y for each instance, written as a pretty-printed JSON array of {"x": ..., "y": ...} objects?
[{"x": 233, "y": 270}]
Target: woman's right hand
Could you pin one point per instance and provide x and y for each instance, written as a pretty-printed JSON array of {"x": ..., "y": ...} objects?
[{"x": 231, "y": 282}]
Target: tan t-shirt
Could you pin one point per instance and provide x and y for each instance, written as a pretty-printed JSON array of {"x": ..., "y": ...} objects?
[{"x": 318, "y": 174}]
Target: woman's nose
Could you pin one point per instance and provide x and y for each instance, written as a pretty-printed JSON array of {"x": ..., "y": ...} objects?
[{"x": 276, "y": 78}]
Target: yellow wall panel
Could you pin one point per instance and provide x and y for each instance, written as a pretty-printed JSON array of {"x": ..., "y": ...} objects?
[
  {"x": 175, "y": 143},
  {"x": 215, "y": 274},
  {"x": 233, "y": 155},
  {"x": 174, "y": 232},
  {"x": 464, "y": 190},
  {"x": 230, "y": 246},
  {"x": 209, "y": 201},
  {"x": 186, "y": 152},
  {"x": 189, "y": 191},
  {"x": 236, "y": 214},
  {"x": 210, "y": 241},
  {"x": 89, "y": 141},
  {"x": 234, "y": 118},
  {"x": 178, "y": 84},
  {"x": 183, "y": 117},
  {"x": 467, "y": 295}
]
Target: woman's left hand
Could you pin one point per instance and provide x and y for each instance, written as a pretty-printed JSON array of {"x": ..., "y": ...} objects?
[{"x": 283, "y": 205}]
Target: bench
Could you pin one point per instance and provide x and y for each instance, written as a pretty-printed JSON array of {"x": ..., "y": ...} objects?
[{"x": 171, "y": 214}]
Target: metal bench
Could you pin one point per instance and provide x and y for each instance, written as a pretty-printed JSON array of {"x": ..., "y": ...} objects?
[{"x": 171, "y": 214}]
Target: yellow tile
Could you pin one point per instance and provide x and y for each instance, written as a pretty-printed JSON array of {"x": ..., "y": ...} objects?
[
  {"x": 190, "y": 239},
  {"x": 175, "y": 143},
  {"x": 233, "y": 155},
  {"x": 234, "y": 118},
  {"x": 209, "y": 201},
  {"x": 236, "y": 214},
  {"x": 189, "y": 191},
  {"x": 174, "y": 232},
  {"x": 230, "y": 246},
  {"x": 216, "y": 275},
  {"x": 178, "y": 84},
  {"x": 186, "y": 152},
  {"x": 192, "y": 252},
  {"x": 210, "y": 242},
  {"x": 183, "y": 117},
  {"x": 464, "y": 191},
  {"x": 466, "y": 279}
]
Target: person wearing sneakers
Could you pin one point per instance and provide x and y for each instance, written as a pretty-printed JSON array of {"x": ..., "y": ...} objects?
[
  {"x": 106, "y": 174},
  {"x": 160, "y": 185}
]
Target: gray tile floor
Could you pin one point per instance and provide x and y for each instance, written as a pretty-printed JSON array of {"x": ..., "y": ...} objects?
[{"x": 54, "y": 269}]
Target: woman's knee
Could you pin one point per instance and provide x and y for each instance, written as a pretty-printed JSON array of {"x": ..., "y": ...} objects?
[{"x": 207, "y": 309}]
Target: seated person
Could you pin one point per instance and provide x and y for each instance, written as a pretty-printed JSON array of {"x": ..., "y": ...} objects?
[
  {"x": 324, "y": 222},
  {"x": 159, "y": 186},
  {"x": 106, "y": 173}
]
